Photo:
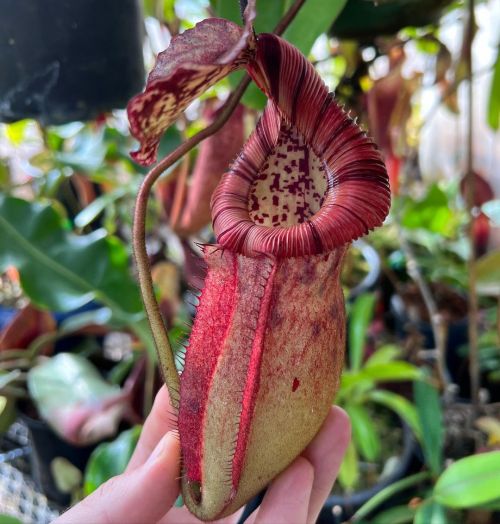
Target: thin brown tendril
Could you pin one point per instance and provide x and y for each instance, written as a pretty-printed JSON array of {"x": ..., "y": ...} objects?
[{"x": 163, "y": 348}]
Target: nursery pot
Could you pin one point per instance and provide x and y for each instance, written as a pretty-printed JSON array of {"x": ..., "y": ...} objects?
[
  {"x": 366, "y": 19},
  {"x": 46, "y": 446},
  {"x": 340, "y": 508},
  {"x": 66, "y": 60}
]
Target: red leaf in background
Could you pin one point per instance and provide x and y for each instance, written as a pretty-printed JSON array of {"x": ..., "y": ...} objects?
[
  {"x": 26, "y": 326},
  {"x": 214, "y": 158},
  {"x": 388, "y": 110},
  {"x": 482, "y": 189}
]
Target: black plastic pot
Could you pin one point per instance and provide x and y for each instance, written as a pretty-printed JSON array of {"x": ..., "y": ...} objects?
[
  {"x": 66, "y": 60},
  {"x": 46, "y": 446},
  {"x": 366, "y": 19},
  {"x": 340, "y": 508}
]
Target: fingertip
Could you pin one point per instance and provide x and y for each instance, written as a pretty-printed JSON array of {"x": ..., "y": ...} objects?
[
  {"x": 167, "y": 447},
  {"x": 341, "y": 424},
  {"x": 300, "y": 473}
]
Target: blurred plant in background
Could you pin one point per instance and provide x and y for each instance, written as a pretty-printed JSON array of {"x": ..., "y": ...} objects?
[{"x": 422, "y": 378}]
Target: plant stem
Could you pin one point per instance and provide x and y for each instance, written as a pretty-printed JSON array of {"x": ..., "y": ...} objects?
[
  {"x": 474, "y": 371},
  {"x": 163, "y": 348},
  {"x": 438, "y": 324}
]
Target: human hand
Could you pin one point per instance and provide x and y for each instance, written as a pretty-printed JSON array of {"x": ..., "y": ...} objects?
[{"x": 147, "y": 490}]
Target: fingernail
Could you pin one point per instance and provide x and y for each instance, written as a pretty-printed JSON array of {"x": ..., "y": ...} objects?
[{"x": 157, "y": 452}]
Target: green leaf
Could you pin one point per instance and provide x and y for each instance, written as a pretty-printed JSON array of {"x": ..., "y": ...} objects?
[
  {"x": 15, "y": 132},
  {"x": 87, "y": 153},
  {"x": 268, "y": 13},
  {"x": 490, "y": 506},
  {"x": 8, "y": 413},
  {"x": 383, "y": 355},
  {"x": 313, "y": 19},
  {"x": 349, "y": 469},
  {"x": 396, "y": 515},
  {"x": 110, "y": 459},
  {"x": 87, "y": 215},
  {"x": 9, "y": 519},
  {"x": 493, "y": 116},
  {"x": 430, "y": 415},
  {"x": 395, "y": 371},
  {"x": 360, "y": 317},
  {"x": 488, "y": 274},
  {"x": 387, "y": 493},
  {"x": 431, "y": 213},
  {"x": 470, "y": 481},
  {"x": 96, "y": 317},
  {"x": 401, "y": 406},
  {"x": 430, "y": 512},
  {"x": 364, "y": 431},
  {"x": 62, "y": 271}
]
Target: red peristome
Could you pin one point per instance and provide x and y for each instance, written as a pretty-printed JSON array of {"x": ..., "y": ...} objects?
[
  {"x": 194, "y": 61},
  {"x": 356, "y": 196}
]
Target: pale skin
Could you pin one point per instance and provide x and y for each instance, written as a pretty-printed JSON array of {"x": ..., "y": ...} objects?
[{"x": 148, "y": 489}]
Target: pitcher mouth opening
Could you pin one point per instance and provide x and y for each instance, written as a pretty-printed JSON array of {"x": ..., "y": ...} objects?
[{"x": 282, "y": 198}]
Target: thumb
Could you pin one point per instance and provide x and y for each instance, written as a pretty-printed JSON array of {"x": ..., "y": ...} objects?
[{"x": 142, "y": 496}]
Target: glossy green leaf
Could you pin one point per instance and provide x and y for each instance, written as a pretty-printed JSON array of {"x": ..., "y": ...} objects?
[
  {"x": 490, "y": 506},
  {"x": 96, "y": 317},
  {"x": 470, "y": 481},
  {"x": 314, "y": 18},
  {"x": 493, "y": 115},
  {"x": 110, "y": 459},
  {"x": 360, "y": 316},
  {"x": 430, "y": 414},
  {"x": 401, "y": 406},
  {"x": 387, "y": 493},
  {"x": 349, "y": 469},
  {"x": 62, "y": 271},
  {"x": 396, "y": 515},
  {"x": 364, "y": 431},
  {"x": 430, "y": 512}
]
